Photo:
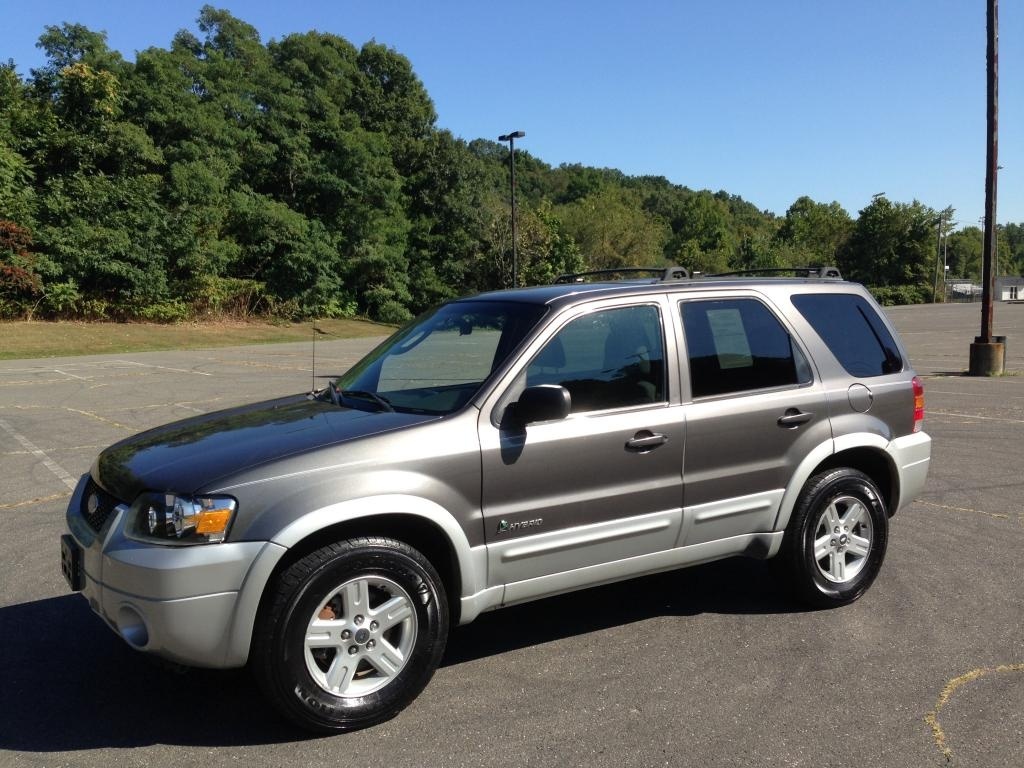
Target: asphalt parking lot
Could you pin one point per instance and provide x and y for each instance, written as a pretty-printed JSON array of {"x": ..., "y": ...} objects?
[{"x": 708, "y": 666}]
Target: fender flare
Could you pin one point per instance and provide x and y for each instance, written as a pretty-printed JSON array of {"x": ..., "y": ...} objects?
[
  {"x": 811, "y": 461},
  {"x": 472, "y": 561}
]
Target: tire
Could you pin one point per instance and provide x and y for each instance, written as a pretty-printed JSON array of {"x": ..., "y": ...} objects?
[
  {"x": 836, "y": 539},
  {"x": 350, "y": 634}
]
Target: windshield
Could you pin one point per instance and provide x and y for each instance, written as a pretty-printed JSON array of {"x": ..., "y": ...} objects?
[{"x": 438, "y": 362}]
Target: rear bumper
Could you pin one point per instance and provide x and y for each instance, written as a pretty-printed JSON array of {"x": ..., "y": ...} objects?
[
  {"x": 911, "y": 456},
  {"x": 185, "y": 604}
]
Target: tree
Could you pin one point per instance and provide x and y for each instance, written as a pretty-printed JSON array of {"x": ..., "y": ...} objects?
[
  {"x": 390, "y": 99},
  {"x": 448, "y": 215},
  {"x": 303, "y": 176},
  {"x": 1012, "y": 236},
  {"x": 284, "y": 250},
  {"x": 20, "y": 284},
  {"x": 701, "y": 238},
  {"x": 17, "y": 196},
  {"x": 97, "y": 183},
  {"x": 963, "y": 253},
  {"x": 545, "y": 249},
  {"x": 892, "y": 244},
  {"x": 816, "y": 230},
  {"x": 613, "y": 230}
]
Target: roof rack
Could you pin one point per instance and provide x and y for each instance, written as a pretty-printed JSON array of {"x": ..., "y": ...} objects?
[
  {"x": 658, "y": 273},
  {"x": 820, "y": 272},
  {"x": 663, "y": 274}
]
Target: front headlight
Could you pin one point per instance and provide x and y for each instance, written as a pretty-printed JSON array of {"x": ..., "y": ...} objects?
[{"x": 171, "y": 519}]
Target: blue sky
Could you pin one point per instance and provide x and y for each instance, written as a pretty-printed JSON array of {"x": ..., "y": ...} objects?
[{"x": 766, "y": 100}]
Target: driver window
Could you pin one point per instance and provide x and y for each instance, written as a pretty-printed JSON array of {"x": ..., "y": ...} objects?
[{"x": 608, "y": 359}]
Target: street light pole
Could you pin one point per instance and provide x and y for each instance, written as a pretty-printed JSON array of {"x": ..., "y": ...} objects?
[
  {"x": 945, "y": 263},
  {"x": 511, "y": 139}
]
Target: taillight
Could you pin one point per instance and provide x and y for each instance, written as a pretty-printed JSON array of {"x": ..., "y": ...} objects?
[{"x": 918, "y": 403}]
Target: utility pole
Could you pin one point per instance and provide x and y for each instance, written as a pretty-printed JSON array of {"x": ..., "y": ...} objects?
[
  {"x": 988, "y": 352},
  {"x": 511, "y": 139}
]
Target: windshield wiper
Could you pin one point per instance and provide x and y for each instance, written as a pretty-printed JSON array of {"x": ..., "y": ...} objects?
[
  {"x": 330, "y": 389},
  {"x": 378, "y": 399}
]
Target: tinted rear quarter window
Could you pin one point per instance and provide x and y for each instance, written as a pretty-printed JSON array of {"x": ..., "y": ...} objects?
[{"x": 853, "y": 331}]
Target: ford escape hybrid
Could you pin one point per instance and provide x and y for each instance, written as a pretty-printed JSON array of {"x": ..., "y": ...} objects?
[{"x": 498, "y": 449}]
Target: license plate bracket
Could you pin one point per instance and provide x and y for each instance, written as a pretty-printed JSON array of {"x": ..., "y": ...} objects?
[{"x": 71, "y": 563}]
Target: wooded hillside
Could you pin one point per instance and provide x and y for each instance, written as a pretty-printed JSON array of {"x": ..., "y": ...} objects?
[{"x": 306, "y": 177}]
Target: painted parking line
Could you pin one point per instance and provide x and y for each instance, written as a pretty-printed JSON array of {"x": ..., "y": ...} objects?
[
  {"x": 55, "y": 449},
  {"x": 59, "y": 471},
  {"x": 97, "y": 417},
  {"x": 100, "y": 365},
  {"x": 951, "y": 508},
  {"x": 932, "y": 718},
  {"x": 31, "y": 502},
  {"x": 72, "y": 375},
  {"x": 31, "y": 382},
  {"x": 162, "y": 367},
  {"x": 72, "y": 366},
  {"x": 187, "y": 405},
  {"x": 930, "y": 412}
]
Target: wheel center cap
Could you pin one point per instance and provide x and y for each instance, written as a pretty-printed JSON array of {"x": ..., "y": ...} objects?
[
  {"x": 362, "y": 636},
  {"x": 843, "y": 540}
]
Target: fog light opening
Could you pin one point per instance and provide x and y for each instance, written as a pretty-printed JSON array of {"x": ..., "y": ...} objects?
[{"x": 132, "y": 627}]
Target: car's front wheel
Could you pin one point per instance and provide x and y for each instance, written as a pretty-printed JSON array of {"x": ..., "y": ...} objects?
[
  {"x": 836, "y": 539},
  {"x": 350, "y": 634}
]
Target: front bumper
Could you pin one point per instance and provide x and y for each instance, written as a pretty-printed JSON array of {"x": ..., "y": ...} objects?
[{"x": 193, "y": 605}]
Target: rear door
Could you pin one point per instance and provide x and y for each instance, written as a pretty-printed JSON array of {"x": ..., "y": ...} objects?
[{"x": 756, "y": 409}]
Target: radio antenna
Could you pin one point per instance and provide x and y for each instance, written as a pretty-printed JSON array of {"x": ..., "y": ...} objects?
[{"x": 311, "y": 391}]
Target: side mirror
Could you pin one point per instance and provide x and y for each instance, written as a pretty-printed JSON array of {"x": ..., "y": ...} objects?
[{"x": 544, "y": 402}]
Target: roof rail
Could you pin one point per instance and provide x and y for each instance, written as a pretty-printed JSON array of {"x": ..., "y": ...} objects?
[
  {"x": 819, "y": 272},
  {"x": 658, "y": 273}
]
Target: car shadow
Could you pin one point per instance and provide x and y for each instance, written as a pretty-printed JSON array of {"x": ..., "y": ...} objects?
[
  {"x": 733, "y": 586},
  {"x": 70, "y": 684}
]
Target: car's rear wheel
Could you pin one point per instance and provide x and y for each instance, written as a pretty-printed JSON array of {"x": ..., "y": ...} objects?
[
  {"x": 836, "y": 539},
  {"x": 350, "y": 634}
]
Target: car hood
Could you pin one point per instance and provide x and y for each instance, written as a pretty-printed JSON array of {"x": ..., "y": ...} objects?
[{"x": 186, "y": 456}]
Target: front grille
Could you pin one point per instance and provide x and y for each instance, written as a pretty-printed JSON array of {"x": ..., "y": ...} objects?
[{"x": 97, "y": 505}]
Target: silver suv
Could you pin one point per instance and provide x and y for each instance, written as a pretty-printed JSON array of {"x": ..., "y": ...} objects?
[{"x": 502, "y": 448}]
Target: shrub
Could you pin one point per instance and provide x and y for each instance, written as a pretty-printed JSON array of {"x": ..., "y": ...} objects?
[
  {"x": 228, "y": 296},
  {"x": 393, "y": 312},
  {"x": 891, "y": 295},
  {"x": 173, "y": 311},
  {"x": 336, "y": 308},
  {"x": 95, "y": 309},
  {"x": 62, "y": 298}
]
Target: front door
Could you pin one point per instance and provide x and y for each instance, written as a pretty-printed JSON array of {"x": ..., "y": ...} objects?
[{"x": 603, "y": 484}]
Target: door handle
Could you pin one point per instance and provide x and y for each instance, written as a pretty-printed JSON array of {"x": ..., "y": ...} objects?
[
  {"x": 794, "y": 418},
  {"x": 645, "y": 441}
]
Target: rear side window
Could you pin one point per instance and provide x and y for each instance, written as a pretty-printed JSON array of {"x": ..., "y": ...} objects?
[
  {"x": 853, "y": 331},
  {"x": 738, "y": 345}
]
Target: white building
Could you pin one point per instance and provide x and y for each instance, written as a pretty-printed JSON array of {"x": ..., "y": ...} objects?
[{"x": 1009, "y": 288}]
